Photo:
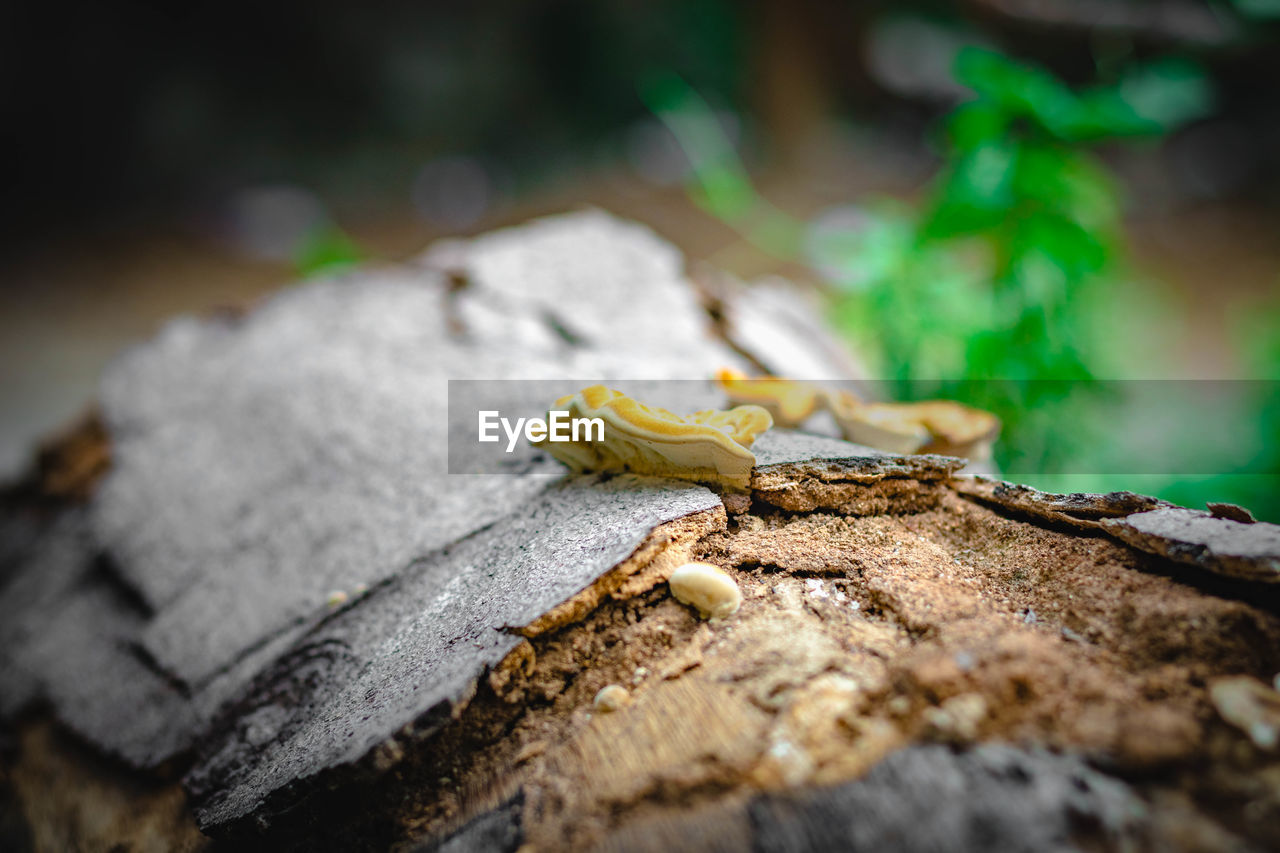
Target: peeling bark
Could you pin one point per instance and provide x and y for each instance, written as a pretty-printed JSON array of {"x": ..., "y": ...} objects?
[{"x": 277, "y": 596}]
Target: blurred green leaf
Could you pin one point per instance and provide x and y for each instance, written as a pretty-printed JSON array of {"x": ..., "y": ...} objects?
[
  {"x": 325, "y": 250},
  {"x": 1103, "y": 113},
  {"x": 975, "y": 192},
  {"x": 1149, "y": 99},
  {"x": 975, "y": 124},
  {"x": 1168, "y": 93},
  {"x": 1077, "y": 252},
  {"x": 1259, "y": 9},
  {"x": 869, "y": 247},
  {"x": 1021, "y": 91}
]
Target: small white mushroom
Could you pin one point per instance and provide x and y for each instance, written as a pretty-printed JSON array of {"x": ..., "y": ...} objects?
[
  {"x": 336, "y": 599},
  {"x": 610, "y": 698},
  {"x": 708, "y": 588}
]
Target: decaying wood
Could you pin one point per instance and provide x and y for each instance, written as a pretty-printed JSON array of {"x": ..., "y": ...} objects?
[
  {"x": 1222, "y": 545},
  {"x": 278, "y": 597},
  {"x": 1076, "y": 511}
]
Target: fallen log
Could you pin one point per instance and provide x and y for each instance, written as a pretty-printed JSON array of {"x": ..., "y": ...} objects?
[{"x": 262, "y": 611}]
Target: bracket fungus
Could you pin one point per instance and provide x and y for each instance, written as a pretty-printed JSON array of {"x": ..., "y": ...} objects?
[
  {"x": 710, "y": 445},
  {"x": 788, "y": 401},
  {"x": 707, "y": 588},
  {"x": 930, "y": 426}
]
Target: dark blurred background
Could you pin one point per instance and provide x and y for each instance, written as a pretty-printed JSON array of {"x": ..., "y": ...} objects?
[{"x": 176, "y": 159}]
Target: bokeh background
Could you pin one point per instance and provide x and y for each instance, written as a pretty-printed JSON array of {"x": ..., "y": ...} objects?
[{"x": 1079, "y": 191}]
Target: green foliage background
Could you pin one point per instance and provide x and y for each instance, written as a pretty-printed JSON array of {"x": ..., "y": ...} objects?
[{"x": 1013, "y": 269}]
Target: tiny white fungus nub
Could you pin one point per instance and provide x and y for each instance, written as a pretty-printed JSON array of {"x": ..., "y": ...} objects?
[
  {"x": 708, "y": 588},
  {"x": 612, "y": 697}
]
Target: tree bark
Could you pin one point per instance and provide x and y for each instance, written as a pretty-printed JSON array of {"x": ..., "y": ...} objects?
[{"x": 250, "y": 601}]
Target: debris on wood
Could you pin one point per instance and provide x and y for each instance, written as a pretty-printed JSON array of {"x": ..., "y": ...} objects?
[
  {"x": 994, "y": 797},
  {"x": 1220, "y": 545},
  {"x": 1231, "y": 512},
  {"x": 1080, "y": 511},
  {"x": 1250, "y": 706},
  {"x": 610, "y": 698},
  {"x": 707, "y": 589}
]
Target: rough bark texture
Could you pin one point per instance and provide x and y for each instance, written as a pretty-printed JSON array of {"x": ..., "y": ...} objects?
[{"x": 276, "y": 595}]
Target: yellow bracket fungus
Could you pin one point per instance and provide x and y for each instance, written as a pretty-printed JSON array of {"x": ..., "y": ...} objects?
[
  {"x": 931, "y": 426},
  {"x": 711, "y": 445},
  {"x": 789, "y": 402},
  {"x": 707, "y": 588}
]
